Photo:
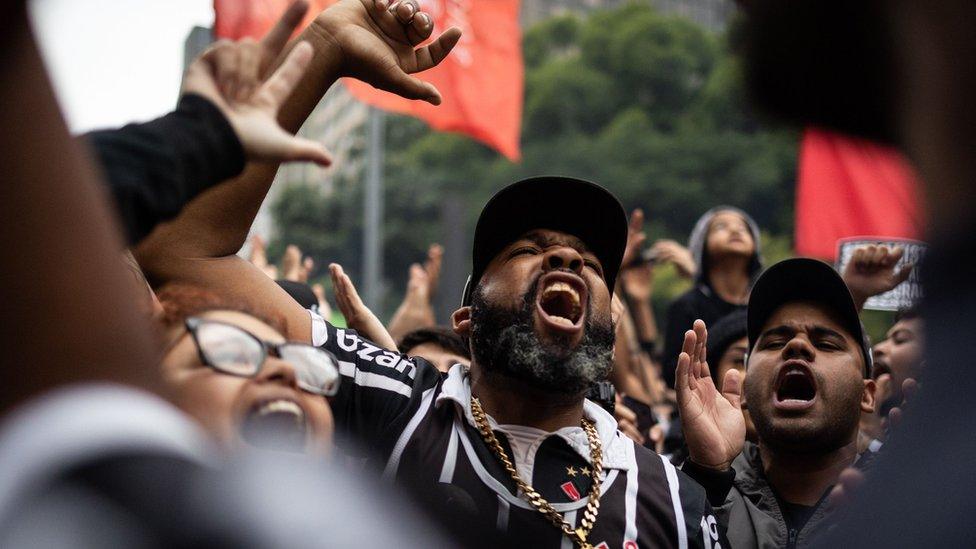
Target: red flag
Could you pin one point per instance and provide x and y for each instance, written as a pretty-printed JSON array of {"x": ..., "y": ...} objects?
[
  {"x": 480, "y": 81},
  {"x": 852, "y": 187}
]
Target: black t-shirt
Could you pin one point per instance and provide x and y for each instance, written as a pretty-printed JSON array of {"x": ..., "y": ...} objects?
[
  {"x": 796, "y": 515},
  {"x": 699, "y": 302}
]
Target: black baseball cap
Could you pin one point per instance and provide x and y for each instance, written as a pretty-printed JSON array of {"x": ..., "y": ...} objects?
[
  {"x": 804, "y": 279},
  {"x": 566, "y": 204}
]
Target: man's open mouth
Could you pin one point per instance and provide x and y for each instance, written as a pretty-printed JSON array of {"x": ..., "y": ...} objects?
[
  {"x": 278, "y": 424},
  {"x": 796, "y": 388},
  {"x": 562, "y": 301}
]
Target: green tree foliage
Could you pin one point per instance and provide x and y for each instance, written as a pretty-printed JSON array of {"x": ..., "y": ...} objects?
[{"x": 649, "y": 105}]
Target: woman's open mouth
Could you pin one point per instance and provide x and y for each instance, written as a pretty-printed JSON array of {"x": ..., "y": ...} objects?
[
  {"x": 278, "y": 424},
  {"x": 562, "y": 302},
  {"x": 796, "y": 388}
]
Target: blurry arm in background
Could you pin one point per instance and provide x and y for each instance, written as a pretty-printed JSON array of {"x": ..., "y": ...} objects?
[
  {"x": 358, "y": 38},
  {"x": 291, "y": 264},
  {"x": 416, "y": 310},
  {"x": 638, "y": 285},
  {"x": 637, "y": 280},
  {"x": 628, "y": 374},
  {"x": 69, "y": 307},
  {"x": 669, "y": 251},
  {"x": 259, "y": 257}
]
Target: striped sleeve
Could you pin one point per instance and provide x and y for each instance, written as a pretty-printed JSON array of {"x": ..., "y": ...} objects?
[
  {"x": 702, "y": 528},
  {"x": 379, "y": 390}
]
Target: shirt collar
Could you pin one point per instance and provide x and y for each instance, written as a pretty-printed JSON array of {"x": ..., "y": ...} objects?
[{"x": 457, "y": 389}]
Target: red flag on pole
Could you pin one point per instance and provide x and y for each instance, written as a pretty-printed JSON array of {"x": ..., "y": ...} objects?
[
  {"x": 480, "y": 81},
  {"x": 852, "y": 187}
]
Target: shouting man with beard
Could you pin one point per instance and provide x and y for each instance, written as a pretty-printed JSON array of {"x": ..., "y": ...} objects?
[
  {"x": 808, "y": 379},
  {"x": 508, "y": 449}
]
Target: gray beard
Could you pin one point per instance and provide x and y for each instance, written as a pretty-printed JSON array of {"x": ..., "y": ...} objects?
[{"x": 505, "y": 345}]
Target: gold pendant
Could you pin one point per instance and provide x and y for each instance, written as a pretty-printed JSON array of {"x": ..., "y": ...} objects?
[{"x": 581, "y": 539}]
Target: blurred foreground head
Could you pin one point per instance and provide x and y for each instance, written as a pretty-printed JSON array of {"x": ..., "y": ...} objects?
[{"x": 899, "y": 71}]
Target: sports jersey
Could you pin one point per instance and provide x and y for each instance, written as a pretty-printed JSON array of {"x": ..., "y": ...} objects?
[{"x": 417, "y": 423}]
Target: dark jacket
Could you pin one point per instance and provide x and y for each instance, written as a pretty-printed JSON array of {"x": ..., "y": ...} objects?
[{"x": 752, "y": 513}]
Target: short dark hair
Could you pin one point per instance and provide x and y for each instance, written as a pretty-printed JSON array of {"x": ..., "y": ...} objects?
[
  {"x": 438, "y": 335},
  {"x": 721, "y": 335},
  {"x": 910, "y": 313}
]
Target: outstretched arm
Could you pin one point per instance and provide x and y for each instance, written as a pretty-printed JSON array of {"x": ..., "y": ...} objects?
[
  {"x": 153, "y": 169},
  {"x": 359, "y": 38}
]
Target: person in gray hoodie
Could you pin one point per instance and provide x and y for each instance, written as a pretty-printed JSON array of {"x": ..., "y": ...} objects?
[{"x": 725, "y": 244}]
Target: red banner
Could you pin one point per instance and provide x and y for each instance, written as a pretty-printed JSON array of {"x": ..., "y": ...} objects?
[
  {"x": 851, "y": 187},
  {"x": 480, "y": 81}
]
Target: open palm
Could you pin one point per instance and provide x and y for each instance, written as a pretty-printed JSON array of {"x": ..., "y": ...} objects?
[
  {"x": 712, "y": 421},
  {"x": 232, "y": 76}
]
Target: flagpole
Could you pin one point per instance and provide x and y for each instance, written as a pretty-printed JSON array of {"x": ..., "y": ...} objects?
[{"x": 373, "y": 212}]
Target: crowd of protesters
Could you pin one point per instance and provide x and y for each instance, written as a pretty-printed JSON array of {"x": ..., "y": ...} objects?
[{"x": 161, "y": 390}]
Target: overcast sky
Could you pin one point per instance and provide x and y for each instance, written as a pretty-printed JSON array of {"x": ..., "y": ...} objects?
[{"x": 116, "y": 61}]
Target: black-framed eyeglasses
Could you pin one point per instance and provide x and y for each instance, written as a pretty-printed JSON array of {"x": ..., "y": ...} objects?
[{"x": 232, "y": 350}]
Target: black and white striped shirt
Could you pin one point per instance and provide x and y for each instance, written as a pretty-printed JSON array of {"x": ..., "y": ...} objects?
[{"x": 419, "y": 422}]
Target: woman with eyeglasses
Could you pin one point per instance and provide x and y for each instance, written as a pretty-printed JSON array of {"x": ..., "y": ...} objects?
[{"x": 233, "y": 372}]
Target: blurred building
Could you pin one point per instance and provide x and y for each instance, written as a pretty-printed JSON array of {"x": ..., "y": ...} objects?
[
  {"x": 339, "y": 122},
  {"x": 712, "y": 14}
]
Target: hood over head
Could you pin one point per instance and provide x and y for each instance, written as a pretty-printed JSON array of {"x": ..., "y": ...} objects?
[{"x": 696, "y": 244}]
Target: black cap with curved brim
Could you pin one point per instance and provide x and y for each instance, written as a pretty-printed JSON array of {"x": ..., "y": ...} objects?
[
  {"x": 566, "y": 204},
  {"x": 804, "y": 279}
]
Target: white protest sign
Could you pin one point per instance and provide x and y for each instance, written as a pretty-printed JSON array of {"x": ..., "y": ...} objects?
[{"x": 907, "y": 293}]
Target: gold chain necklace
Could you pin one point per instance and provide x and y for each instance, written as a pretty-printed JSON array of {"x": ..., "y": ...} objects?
[{"x": 535, "y": 499}]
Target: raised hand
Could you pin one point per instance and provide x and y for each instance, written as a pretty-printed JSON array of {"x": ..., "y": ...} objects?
[
  {"x": 378, "y": 42},
  {"x": 259, "y": 257},
  {"x": 291, "y": 263},
  {"x": 669, "y": 251},
  {"x": 638, "y": 282},
  {"x": 871, "y": 271},
  {"x": 435, "y": 256},
  {"x": 230, "y": 75},
  {"x": 416, "y": 310},
  {"x": 635, "y": 237},
  {"x": 308, "y": 266},
  {"x": 712, "y": 421},
  {"x": 357, "y": 314}
]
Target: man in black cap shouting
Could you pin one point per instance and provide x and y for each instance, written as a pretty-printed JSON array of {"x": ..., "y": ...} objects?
[
  {"x": 807, "y": 382},
  {"x": 509, "y": 449}
]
